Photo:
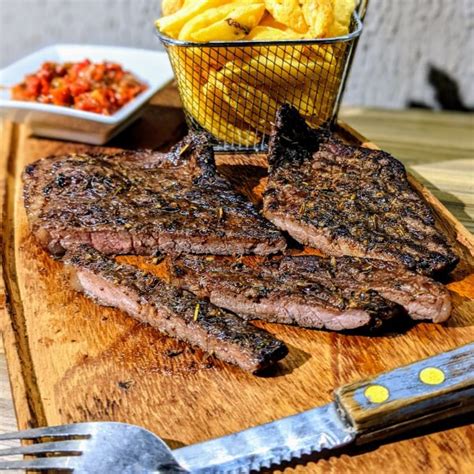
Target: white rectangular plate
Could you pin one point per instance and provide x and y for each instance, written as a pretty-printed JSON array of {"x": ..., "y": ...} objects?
[{"x": 53, "y": 121}]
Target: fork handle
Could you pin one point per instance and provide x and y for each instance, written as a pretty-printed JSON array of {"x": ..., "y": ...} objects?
[{"x": 412, "y": 396}]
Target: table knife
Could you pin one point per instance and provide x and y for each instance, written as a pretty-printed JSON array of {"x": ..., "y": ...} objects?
[{"x": 370, "y": 410}]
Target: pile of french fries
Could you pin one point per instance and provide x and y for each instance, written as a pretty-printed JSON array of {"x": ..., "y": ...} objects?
[{"x": 234, "y": 92}]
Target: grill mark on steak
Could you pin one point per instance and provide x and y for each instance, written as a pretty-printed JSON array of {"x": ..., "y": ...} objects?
[
  {"x": 311, "y": 291},
  {"x": 348, "y": 200},
  {"x": 270, "y": 291},
  {"x": 171, "y": 310},
  {"x": 143, "y": 203}
]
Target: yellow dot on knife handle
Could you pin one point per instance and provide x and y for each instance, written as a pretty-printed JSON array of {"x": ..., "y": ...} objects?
[
  {"x": 377, "y": 393},
  {"x": 432, "y": 376}
]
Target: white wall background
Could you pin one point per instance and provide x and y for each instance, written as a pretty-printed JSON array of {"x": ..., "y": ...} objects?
[{"x": 401, "y": 38}]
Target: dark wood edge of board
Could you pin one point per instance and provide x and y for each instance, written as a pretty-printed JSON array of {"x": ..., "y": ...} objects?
[{"x": 27, "y": 402}]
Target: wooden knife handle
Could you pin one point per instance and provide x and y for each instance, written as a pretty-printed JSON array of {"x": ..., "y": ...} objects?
[{"x": 410, "y": 396}]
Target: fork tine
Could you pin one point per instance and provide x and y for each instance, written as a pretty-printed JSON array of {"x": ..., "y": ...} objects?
[
  {"x": 69, "y": 446},
  {"x": 75, "y": 429},
  {"x": 41, "y": 464}
]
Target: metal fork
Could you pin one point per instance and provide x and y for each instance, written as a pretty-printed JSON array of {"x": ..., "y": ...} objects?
[{"x": 101, "y": 447}]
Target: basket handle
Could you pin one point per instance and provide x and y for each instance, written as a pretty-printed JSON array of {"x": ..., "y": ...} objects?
[{"x": 362, "y": 8}]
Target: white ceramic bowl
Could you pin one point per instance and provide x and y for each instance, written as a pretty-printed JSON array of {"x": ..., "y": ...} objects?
[{"x": 65, "y": 123}]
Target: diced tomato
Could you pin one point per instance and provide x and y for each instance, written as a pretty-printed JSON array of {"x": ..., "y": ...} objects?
[
  {"x": 79, "y": 87},
  {"x": 99, "y": 72},
  {"x": 33, "y": 86},
  {"x": 87, "y": 102},
  {"x": 101, "y": 88},
  {"x": 47, "y": 71},
  {"x": 113, "y": 66},
  {"x": 61, "y": 70},
  {"x": 61, "y": 96}
]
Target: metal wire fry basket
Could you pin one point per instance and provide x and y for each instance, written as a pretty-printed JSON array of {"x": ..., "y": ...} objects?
[{"x": 232, "y": 89}]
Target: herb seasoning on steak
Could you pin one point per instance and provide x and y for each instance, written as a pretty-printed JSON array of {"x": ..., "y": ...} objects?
[
  {"x": 175, "y": 312},
  {"x": 422, "y": 297},
  {"x": 270, "y": 292},
  {"x": 311, "y": 291},
  {"x": 142, "y": 203},
  {"x": 349, "y": 200}
]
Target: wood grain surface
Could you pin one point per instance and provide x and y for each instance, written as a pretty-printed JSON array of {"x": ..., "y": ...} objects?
[{"x": 71, "y": 360}]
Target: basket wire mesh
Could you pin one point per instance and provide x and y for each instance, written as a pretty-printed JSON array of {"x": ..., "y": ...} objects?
[{"x": 232, "y": 90}]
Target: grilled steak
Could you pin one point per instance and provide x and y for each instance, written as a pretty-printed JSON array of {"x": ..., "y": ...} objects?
[
  {"x": 271, "y": 291},
  {"x": 422, "y": 297},
  {"x": 143, "y": 203},
  {"x": 310, "y": 291},
  {"x": 177, "y": 313},
  {"x": 348, "y": 200}
]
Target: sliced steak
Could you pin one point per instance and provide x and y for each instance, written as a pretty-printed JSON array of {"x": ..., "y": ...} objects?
[
  {"x": 175, "y": 312},
  {"x": 143, "y": 203},
  {"x": 269, "y": 290},
  {"x": 349, "y": 200},
  {"x": 422, "y": 297}
]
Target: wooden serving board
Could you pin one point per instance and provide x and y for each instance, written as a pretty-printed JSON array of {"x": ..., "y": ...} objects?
[{"x": 71, "y": 360}]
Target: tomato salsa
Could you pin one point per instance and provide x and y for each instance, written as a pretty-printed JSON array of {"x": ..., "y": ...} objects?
[{"x": 102, "y": 88}]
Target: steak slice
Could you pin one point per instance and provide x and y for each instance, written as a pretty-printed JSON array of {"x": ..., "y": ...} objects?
[
  {"x": 143, "y": 203},
  {"x": 422, "y": 297},
  {"x": 349, "y": 200},
  {"x": 271, "y": 291},
  {"x": 311, "y": 291},
  {"x": 175, "y": 312}
]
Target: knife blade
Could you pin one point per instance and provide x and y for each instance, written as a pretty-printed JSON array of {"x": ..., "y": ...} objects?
[
  {"x": 373, "y": 409},
  {"x": 272, "y": 443}
]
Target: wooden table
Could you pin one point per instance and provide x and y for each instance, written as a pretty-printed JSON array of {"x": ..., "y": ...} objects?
[{"x": 437, "y": 147}]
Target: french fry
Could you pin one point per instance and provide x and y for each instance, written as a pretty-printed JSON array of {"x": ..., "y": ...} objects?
[
  {"x": 268, "y": 33},
  {"x": 215, "y": 115},
  {"x": 187, "y": 68},
  {"x": 310, "y": 98},
  {"x": 171, "y": 25},
  {"x": 168, "y": 7},
  {"x": 234, "y": 26},
  {"x": 289, "y": 13},
  {"x": 252, "y": 105},
  {"x": 343, "y": 10},
  {"x": 199, "y": 25},
  {"x": 294, "y": 93},
  {"x": 319, "y": 15},
  {"x": 318, "y": 52},
  {"x": 268, "y": 20},
  {"x": 285, "y": 72},
  {"x": 207, "y": 60},
  {"x": 203, "y": 20}
]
